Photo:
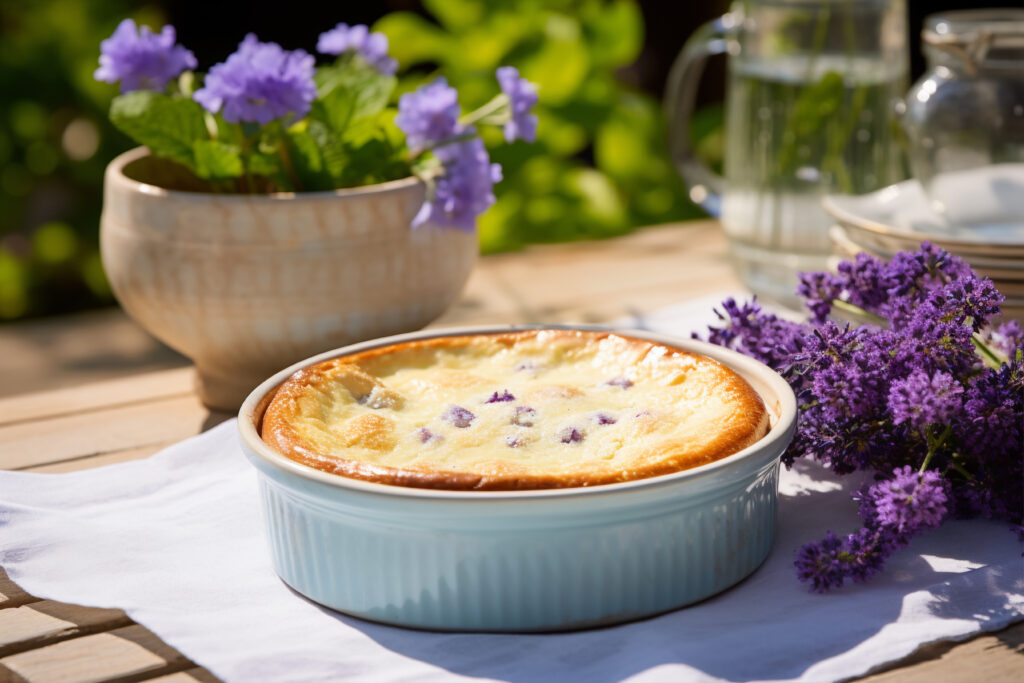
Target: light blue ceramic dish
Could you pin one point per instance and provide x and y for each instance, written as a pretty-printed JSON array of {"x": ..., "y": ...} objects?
[{"x": 522, "y": 560}]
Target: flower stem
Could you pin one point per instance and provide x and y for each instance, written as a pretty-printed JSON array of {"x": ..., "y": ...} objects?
[
  {"x": 286, "y": 161},
  {"x": 492, "y": 107},
  {"x": 858, "y": 311},
  {"x": 934, "y": 443},
  {"x": 988, "y": 355}
]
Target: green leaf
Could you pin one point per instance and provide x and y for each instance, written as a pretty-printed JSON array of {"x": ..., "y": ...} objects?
[
  {"x": 560, "y": 63},
  {"x": 412, "y": 39},
  {"x": 456, "y": 14},
  {"x": 615, "y": 31},
  {"x": 308, "y": 161},
  {"x": 169, "y": 126},
  {"x": 349, "y": 92},
  {"x": 215, "y": 160}
]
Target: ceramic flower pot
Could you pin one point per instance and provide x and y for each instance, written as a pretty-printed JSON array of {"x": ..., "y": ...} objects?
[{"x": 245, "y": 285}]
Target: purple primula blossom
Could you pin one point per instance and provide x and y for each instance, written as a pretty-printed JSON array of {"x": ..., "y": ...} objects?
[
  {"x": 522, "y": 97},
  {"x": 429, "y": 115},
  {"x": 458, "y": 416},
  {"x": 503, "y": 397},
  {"x": 260, "y": 82},
  {"x": 141, "y": 59},
  {"x": 924, "y": 400},
  {"x": 464, "y": 191},
  {"x": 373, "y": 47}
]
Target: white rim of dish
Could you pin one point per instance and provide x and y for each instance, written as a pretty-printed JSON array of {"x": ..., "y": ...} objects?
[
  {"x": 851, "y": 220},
  {"x": 782, "y": 428}
]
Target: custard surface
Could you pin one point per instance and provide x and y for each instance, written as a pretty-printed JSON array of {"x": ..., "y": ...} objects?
[{"x": 524, "y": 410}]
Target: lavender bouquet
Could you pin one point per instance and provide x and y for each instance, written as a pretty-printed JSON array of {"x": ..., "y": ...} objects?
[
  {"x": 269, "y": 120},
  {"x": 924, "y": 395}
]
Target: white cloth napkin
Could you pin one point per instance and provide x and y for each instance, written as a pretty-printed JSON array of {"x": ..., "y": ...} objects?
[{"x": 176, "y": 541}]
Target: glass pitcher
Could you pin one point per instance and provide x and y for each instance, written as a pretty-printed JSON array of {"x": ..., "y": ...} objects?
[{"x": 809, "y": 111}]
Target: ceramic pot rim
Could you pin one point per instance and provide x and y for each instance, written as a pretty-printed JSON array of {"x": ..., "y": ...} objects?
[
  {"x": 116, "y": 176},
  {"x": 751, "y": 458}
]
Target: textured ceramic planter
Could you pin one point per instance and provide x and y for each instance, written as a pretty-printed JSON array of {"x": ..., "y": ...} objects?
[{"x": 246, "y": 285}]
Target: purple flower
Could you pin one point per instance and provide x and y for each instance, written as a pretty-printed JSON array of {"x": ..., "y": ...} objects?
[
  {"x": 570, "y": 435},
  {"x": 523, "y": 416},
  {"x": 372, "y": 46},
  {"x": 828, "y": 563},
  {"x": 464, "y": 191},
  {"x": 503, "y": 397},
  {"x": 522, "y": 96},
  {"x": 818, "y": 291},
  {"x": 259, "y": 83},
  {"x": 458, "y": 416},
  {"x": 819, "y": 563},
  {"x": 922, "y": 400},
  {"x": 907, "y": 504},
  {"x": 426, "y": 436},
  {"x": 603, "y": 419},
  {"x": 429, "y": 115},
  {"x": 141, "y": 59}
]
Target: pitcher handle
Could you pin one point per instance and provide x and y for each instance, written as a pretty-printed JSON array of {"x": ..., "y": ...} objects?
[{"x": 713, "y": 38}]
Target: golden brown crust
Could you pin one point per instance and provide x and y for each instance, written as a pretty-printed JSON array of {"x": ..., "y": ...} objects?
[{"x": 301, "y": 396}]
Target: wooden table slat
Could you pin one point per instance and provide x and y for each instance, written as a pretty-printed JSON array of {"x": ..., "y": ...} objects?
[
  {"x": 123, "y": 655},
  {"x": 123, "y": 427},
  {"x": 47, "y": 405},
  {"x": 45, "y": 622},
  {"x": 11, "y": 594}
]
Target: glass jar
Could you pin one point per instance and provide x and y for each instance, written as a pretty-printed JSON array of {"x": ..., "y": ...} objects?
[{"x": 964, "y": 118}]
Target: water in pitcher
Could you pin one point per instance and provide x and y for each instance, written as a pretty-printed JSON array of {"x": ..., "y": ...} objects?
[{"x": 806, "y": 127}]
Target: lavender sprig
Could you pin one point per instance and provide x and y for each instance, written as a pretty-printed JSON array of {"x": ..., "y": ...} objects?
[{"x": 924, "y": 395}]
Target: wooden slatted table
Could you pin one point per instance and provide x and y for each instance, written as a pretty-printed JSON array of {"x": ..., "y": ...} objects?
[{"x": 133, "y": 416}]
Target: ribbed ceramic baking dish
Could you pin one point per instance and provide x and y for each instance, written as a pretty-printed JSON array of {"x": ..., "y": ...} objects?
[{"x": 535, "y": 560}]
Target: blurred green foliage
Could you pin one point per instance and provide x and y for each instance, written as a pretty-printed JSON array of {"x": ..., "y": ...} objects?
[
  {"x": 600, "y": 165},
  {"x": 55, "y": 141}
]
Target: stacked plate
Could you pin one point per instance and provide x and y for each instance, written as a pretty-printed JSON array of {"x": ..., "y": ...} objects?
[{"x": 899, "y": 218}]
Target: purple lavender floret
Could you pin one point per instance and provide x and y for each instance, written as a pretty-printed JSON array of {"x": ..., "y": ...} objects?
[
  {"x": 922, "y": 400},
  {"x": 458, "y": 416},
  {"x": 503, "y": 397},
  {"x": 465, "y": 190},
  {"x": 260, "y": 82},
  {"x": 908, "y": 503},
  {"x": 522, "y": 96},
  {"x": 141, "y": 59},
  {"x": 523, "y": 416},
  {"x": 623, "y": 382},
  {"x": 604, "y": 419},
  {"x": 429, "y": 114},
  {"x": 426, "y": 436},
  {"x": 373, "y": 47},
  {"x": 917, "y": 389},
  {"x": 570, "y": 435}
]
